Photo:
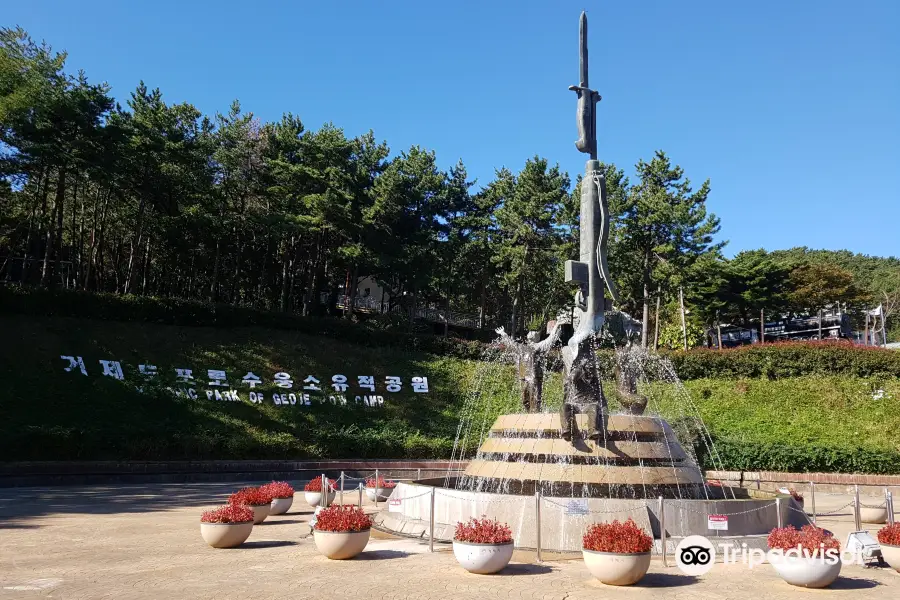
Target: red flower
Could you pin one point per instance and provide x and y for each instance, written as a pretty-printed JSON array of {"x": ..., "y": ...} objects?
[
  {"x": 316, "y": 485},
  {"x": 382, "y": 483},
  {"x": 230, "y": 513},
  {"x": 810, "y": 538},
  {"x": 889, "y": 535},
  {"x": 251, "y": 496},
  {"x": 279, "y": 489},
  {"x": 483, "y": 531},
  {"x": 343, "y": 518},
  {"x": 620, "y": 538}
]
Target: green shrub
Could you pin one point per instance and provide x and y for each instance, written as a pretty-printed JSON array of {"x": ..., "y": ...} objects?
[
  {"x": 814, "y": 423},
  {"x": 736, "y": 455},
  {"x": 787, "y": 359}
]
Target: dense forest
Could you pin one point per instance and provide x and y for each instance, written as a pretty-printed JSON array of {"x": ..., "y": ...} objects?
[{"x": 152, "y": 198}]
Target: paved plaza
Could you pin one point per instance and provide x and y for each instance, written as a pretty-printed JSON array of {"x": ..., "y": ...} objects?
[{"x": 143, "y": 541}]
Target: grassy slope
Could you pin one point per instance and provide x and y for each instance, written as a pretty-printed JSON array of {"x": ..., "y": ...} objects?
[
  {"x": 51, "y": 414},
  {"x": 806, "y": 410},
  {"x": 812, "y": 423}
]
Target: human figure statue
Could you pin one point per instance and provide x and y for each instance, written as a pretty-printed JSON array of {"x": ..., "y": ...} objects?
[
  {"x": 626, "y": 388},
  {"x": 529, "y": 357},
  {"x": 583, "y": 394}
]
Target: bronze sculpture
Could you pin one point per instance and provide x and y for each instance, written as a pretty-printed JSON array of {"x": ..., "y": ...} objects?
[
  {"x": 583, "y": 391},
  {"x": 529, "y": 358}
]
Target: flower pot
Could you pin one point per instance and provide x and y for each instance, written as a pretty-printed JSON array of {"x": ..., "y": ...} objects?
[
  {"x": 873, "y": 515},
  {"x": 383, "y": 493},
  {"x": 280, "y": 506},
  {"x": 482, "y": 559},
  {"x": 340, "y": 545},
  {"x": 260, "y": 512},
  {"x": 225, "y": 535},
  {"x": 806, "y": 571},
  {"x": 315, "y": 498},
  {"x": 891, "y": 555},
  {"x": 613, "y": 568}
]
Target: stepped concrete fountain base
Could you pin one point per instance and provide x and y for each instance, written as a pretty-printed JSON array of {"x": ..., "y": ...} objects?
[{"x": 584, "y": 484}]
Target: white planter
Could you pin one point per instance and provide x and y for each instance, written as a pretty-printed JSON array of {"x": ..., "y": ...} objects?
[
  {"x": 891, "y": 555},
  {"x": 806, "y": 572},
  {"x": 341, "y": 545},
  {"x": 315, "y": 498},
  {"x": 383, "y": 493},
  {"x": 873, "y": 515},
  {"x": 260, "y": 512},
  {"x": 482, "y": 558},
  {"x": 280, "y": 506},
  {"x": 617, "y": 569},
  {"x": 225, "y": 535}
]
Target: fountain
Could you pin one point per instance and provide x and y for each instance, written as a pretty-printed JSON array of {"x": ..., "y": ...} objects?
[{"x": 550, "y": 474}]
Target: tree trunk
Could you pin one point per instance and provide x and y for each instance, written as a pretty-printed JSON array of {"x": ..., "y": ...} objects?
[
  {"x": 351, "y": 296},
  {"x": 238, "y": 262},
  {"x": 293, "y": 271},
  {"x": 260, "y": 288},
  {"x": 117, "y": 263},
  {"x": 284, "y": 275},
  {"x": 214, "y": 282},
  {"x": 42, "y": 190},
  {"x": 483, "y": 305},
  {"x": 73, "y": 264},
  {"x": 146, "y": 266},
  {"x": 95, "y": 236},
  {"x": 517, "y": 300},
  {"x": 312, "y": 294},
  {"x": 81, "y": 265},
  {"x": 46, "y": 273},
  {"x": 656, "y": 322},
  {"x": 135, "y": 244},
  {"x": 646, "y": 299},
  {"x": 447, "y": 315}
]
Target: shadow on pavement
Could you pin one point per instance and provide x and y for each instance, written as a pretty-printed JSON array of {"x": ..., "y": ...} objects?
[
  {"x": 382, "y": 555},
  {"x": 18, "y": 505},
  {"x": 654, "y": 580},
  {"x": 853, "y": 583},
  {"x": 514, "y": 569},
  {"x": 266, "y": 544}
]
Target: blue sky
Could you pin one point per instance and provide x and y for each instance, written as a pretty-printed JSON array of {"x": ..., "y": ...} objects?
[{"x": 791, "y": 108}]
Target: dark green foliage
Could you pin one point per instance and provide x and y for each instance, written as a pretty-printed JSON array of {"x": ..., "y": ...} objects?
[
  {"x": 174, "y": 311},
  {"x": 661, "y": 230},
  {"x": 733, "y": 291},
  {"x": 787, "y": 360}
]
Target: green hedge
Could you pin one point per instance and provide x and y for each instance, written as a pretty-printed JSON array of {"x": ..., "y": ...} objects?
[
  {"x": 799, "y": 458},
  {"x": 787, "y": 359},
  {"x": 172, "y": 311}
]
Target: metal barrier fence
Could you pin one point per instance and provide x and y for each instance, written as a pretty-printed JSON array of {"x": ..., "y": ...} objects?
[{"x": 660, "y": 503}]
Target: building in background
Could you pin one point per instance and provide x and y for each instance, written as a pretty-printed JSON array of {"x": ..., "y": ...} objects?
[{"x": 831, "y": 324}]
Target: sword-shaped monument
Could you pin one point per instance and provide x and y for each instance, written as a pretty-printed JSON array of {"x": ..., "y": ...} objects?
[{"x": 583, "y": 391}]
